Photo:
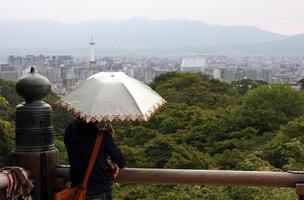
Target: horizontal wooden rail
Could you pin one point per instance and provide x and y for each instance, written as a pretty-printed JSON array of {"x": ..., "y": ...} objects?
[
  {"x": 3, "y": 181},
  {"x": 202, "y": 177}
]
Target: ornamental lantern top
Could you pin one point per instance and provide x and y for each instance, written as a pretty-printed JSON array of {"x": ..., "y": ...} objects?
[{"x": 33, "y": 86}]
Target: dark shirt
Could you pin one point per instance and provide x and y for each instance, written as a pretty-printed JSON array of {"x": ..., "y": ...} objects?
[{"x": 79, "y": 140}]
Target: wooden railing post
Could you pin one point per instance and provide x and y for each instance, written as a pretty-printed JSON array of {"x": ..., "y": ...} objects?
[
  {"x": 300, "y": 191},
  {"x": 34, "y": 149}
]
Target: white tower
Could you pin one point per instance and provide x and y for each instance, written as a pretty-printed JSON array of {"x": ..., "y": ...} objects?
[{"x": 92, "y": 43}]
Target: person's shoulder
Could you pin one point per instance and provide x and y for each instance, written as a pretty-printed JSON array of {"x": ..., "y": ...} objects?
[
  {"x": 71, "y": 125},
  {"x": 106, "y": 135},
  {"x": 104, "y": 132}
]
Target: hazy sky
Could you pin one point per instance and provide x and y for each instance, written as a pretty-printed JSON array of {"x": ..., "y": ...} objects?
[{"x": 282, "y": 16}]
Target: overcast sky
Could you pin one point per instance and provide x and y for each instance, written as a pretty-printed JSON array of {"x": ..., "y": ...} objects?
[{"x": 282, "y": 16}]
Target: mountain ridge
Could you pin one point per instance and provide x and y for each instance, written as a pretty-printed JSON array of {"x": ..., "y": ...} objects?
[{"x": 131, "y": 33}]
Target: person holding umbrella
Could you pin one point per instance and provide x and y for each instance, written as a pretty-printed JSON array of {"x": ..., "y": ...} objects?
[
  {"x": 103, "y": 97},
  {"x": 79, "y": 140}
]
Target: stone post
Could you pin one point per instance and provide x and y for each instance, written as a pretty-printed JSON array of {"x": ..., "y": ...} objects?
[{"x": 34, "y": 148}]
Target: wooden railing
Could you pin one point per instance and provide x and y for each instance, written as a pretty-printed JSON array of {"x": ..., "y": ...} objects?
[
  {"x": 197, "y": 177},
  {"x": 204, "y": 177},
  {"x": 201, "y": 177}
]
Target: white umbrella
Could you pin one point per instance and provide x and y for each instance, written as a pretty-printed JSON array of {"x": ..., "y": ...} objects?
[{"x": 108, "y": 96}]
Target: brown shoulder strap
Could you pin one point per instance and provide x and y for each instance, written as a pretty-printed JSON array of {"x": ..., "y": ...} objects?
[{"x": 93, "y": 158}]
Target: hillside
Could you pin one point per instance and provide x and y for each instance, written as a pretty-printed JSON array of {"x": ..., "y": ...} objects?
[
  {"x": 133, "y": 33},
  {"x": 289, "y": 45},
  {"x": 209, "y": 124}
]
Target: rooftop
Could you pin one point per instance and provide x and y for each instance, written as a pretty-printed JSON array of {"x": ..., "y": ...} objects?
[{"x": 194, "y": 62}]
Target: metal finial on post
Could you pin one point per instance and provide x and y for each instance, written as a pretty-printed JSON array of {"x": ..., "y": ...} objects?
[
  {"x": 34, "y": 147},
  {"x": 33, "y": 70}
]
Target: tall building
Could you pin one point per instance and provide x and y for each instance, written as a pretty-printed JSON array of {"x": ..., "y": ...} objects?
[
  {"x": 6, "y": 67},
  {"x": 57, "y": 61},
  {"x": 15, "y": 61},
  {"x": 9, "y": 75},
  {"x": 227, "y": 74},
  {"x": 19, "y": 62},
  {"x": 53, "y": 74},
  {"x": 240, "y": 74},
  {"x": 265, "y": 75},
  {"x": 92, "y": 59},
  {"x": 252, "y": 74},
  {"x": 217, "y": 74}
]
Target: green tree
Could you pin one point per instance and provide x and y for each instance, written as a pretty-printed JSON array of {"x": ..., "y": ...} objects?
[
  {"x": 186, "y": 157},
  {"x": 194, "y": 89},
  {"x": 286, "y": 149},
  {"x": 3, "y": 101},
  {"x": 301, "y": 82},
  {"x": 5, "y": 136},
  {"x": 269, "y": 106},
  {"x": 159, "y": 150},
  {"x": 244, "y": 85}
]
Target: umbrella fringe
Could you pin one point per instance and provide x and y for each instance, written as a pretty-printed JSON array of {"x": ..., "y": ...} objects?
[{"x": 106, "y": 118}]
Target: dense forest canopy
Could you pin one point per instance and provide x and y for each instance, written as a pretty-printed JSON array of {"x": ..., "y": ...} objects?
[{"x": 207, "y": 124}]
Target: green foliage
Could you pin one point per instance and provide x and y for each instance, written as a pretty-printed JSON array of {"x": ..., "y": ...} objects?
[
  {"x": 142, "y": 192},
  {"x": 197, "y": 134},
  {"x": 244, "y": 85},
  {"x": 207, "y": 124},
  {"x": 3, "y": 101},
  {"x": 195, "y": 192},
  {"x": 159, "y": 150},
  {"x": 7, "y": 90},
  {"x": 5, "y": 142},
  {"x": 301, "y": 82},
  {"x": 194, "y": 89},
  {"x": 151, "y": 192},
  {"x": 269, "y": 106},
  {"x": 286, "y": 149},
  {"x": 187, "y": 157},
  {"x": 5, "y": 136},
  {"x": 238, "y": 193},
  {"x": 136, "y": 135},
  {"x": 59, "y": 144},
  {"x": 135, "y": 156}
]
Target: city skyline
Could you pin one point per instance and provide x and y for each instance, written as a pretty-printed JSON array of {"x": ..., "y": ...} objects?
[{"x": 272, "y": 15}]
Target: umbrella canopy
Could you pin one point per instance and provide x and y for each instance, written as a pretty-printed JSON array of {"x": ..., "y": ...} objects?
[{"x": 108, "y": 96}]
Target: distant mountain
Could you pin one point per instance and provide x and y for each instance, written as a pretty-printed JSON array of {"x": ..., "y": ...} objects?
[
  {"x": 289, "y": 45},
  {"x": 133, "y": 33}
]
